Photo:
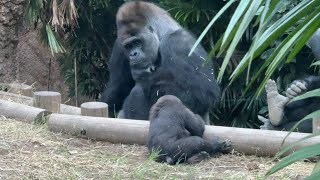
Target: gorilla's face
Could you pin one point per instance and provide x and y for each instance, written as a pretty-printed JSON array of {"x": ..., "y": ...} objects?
[{"x": 141, "y": 48}]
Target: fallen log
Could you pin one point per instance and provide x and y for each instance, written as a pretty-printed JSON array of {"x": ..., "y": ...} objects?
[
  {"x": 22, "y": 112},
  {"x": 247, "y": 141},
  {"x": 64, "y": 109}
]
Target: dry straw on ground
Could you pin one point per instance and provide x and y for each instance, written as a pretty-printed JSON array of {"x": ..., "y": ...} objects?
[{"x": 32, "y": 152}]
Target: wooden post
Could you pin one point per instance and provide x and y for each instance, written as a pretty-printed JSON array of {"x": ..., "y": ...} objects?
[
  {"x": 48, "y": 100},
  {"x": 247, "y": 141},
  {"x": 316, "y": 125},
  {"x": 97, "y": 109},
  {"x": 22, "y": 112},
  {"x": 20, "y": 88}
]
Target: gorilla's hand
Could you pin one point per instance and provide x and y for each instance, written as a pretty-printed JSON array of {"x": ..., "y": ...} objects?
[
  {"x": 226, "y": 146},
  {"x": 266, "y": 123},
  {"x": 296, "y": 88}
]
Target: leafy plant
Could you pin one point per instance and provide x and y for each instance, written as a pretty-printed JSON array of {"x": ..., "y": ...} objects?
[
  {"x": 289, "y": 33},
  {"x": 305, "y": 152},
  {"x": 299, "y": 23}
]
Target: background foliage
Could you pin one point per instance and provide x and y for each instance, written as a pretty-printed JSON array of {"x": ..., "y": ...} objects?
[{"x": 84, "y": 31}]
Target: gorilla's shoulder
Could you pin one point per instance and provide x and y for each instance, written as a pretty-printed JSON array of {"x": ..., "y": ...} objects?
[{"x": 178, "y": 36}]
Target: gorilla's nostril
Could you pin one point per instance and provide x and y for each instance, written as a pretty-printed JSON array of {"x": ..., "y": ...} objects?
[{"x": 134, "y": 54}]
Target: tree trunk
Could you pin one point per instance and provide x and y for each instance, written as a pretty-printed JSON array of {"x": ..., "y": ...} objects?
[{"x": 11, "y": 19}]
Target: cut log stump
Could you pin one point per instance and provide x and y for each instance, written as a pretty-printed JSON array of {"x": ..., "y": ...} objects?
[
  {"x": 48, "y": 100},
  {"x": 97, "y": 109}
]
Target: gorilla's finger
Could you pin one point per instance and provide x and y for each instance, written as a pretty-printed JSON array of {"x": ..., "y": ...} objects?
[
  {"x": 263, "y": 119},
  {"x": 296, "y": 88},
  {"x": 290, "y": 93},
  {"x": 301, "y": 85}
]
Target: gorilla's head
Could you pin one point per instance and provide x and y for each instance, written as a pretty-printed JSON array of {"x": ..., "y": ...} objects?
[{"x": 140, "y": 26}]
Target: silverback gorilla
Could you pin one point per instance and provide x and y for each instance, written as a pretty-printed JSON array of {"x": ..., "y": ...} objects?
[
  {"x": 176, "y": 133},
  {"x": 150, "y": 59}
]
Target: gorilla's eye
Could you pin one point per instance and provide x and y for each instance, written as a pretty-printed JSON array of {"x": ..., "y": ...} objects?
[{"x": 133, "y": 43}]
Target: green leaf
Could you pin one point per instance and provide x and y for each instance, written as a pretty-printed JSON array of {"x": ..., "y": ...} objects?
[
  {"x": 250, "y": 13},
  {"x": 313, "y": 176},
  {"x": 316, "y": 168},
  {"x": 222, "y": 10},
  {"x": 243, "y": 5},
  {"x": 55, "y": 46},
  {"x": 313, "y": 93},
  {"x": 303, "y": 153},
  {"x": 317, "y": 63}
]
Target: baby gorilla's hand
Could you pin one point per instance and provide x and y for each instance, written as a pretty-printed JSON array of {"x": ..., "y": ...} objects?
[
  {"x": 266, "y": 123},
  {"x": 221, "y": 146},
  {"x": 226, "y": 146},
  {"x": 296, "y": 88}
]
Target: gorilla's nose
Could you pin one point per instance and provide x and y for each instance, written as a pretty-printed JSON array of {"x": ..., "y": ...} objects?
[{"x": 134, "y": 55}]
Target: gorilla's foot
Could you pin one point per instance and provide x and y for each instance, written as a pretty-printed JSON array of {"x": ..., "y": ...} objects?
[
  {"x": 198, "y": 157},
  {"x": 276, "y": 103},
  {"x": 226, "y": 146},
  {"x": 266, "y": 123}
]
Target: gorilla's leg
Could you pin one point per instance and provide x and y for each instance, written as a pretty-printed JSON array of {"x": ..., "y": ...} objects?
[
  {"x": 136, "y": 105},
  {"x": 276, "y": 103},
  {"x": 190, "y": 149},
  {"x": 305, "y": 126},
  {"x": 296, "y": 110}
]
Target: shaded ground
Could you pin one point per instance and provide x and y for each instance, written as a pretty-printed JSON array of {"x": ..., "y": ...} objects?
[{"x": 32, "y": 152}]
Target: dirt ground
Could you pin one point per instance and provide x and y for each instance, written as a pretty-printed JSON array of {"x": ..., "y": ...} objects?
[{"x": 33, "y": 152}]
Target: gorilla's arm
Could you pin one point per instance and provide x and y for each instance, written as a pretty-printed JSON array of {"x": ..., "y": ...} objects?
[
  {"x": 312, "y": 82},
  {"x": 195, "y": 125},
  {"x": 296, "y": 110},
  {"x": 189, "y": 78},
  {"x": 120, "y": 81}
]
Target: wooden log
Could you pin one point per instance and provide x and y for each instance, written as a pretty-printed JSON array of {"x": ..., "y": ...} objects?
[
  {"x": 64, "y": 109},
  {"x": 18, "y": 98},
  {"x": 107, "y": 129},
  {"x": 22, "y": 112},
  {"x": 316, "y": 125},
  {"x": 97, "y": 109},
  {"x": 247, "y": 141},
  {"x": 48, "y": 100},
  {"x": 21, "y": 88}
]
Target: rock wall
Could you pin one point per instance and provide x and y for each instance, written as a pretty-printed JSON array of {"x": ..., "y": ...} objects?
[{"x": 11, "y": 15}]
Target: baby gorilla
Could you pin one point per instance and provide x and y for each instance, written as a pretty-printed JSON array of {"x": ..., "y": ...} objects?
[{"x": 176, "y": 133}]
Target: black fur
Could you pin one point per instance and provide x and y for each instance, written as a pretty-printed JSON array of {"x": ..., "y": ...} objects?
[
  {"x": 176, "y": 133},
  {"x": 165, "y": 47},
  {"x": 297, "y": 110},
  {"x": 120, "y": 80}
]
